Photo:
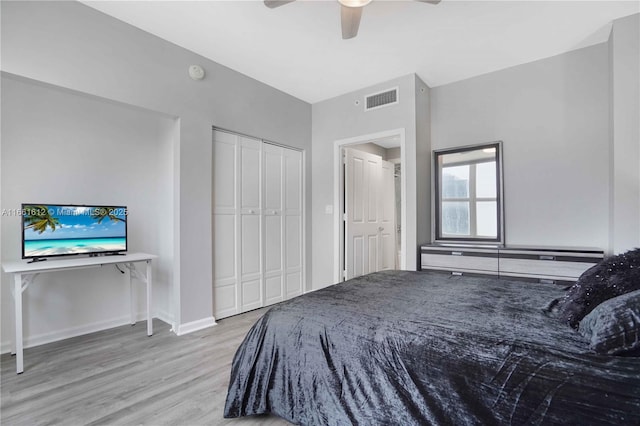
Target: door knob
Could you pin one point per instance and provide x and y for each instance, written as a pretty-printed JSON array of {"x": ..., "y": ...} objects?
[{"x": 380, "y": 228}]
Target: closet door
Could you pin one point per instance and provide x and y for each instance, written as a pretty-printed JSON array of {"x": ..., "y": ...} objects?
[
  {"x": 250, "y": 229},
  {"x": 257, "y": 224},
  {"x": 273, "y": 224},
  {"x": 292, "y": 191},
  {"x": 237, "y": 225},
  {"x": 226, "y": 300}
]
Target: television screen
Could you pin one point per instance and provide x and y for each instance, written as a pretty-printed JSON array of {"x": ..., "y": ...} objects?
[{"x": 59, "y": 230}]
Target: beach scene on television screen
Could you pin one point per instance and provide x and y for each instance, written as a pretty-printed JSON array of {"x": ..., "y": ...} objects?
[{"x": 58, "y": 230}]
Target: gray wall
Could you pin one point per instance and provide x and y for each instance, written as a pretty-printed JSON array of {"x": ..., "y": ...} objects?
[
  {"x": 423, "y": 162},
  {"x": 73, "y": 46},
  {"x": 68, "y": 148},
  {"x": 625, "y": 134},
  {"x": 553, "y": 117},
  {"x": 340, "y": 118}
]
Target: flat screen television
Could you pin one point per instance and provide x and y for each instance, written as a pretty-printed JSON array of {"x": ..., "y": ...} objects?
[{"x": 65, "y": 229}]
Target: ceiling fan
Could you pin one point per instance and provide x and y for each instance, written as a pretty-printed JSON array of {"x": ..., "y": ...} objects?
[{"x": 350, "y": 13}]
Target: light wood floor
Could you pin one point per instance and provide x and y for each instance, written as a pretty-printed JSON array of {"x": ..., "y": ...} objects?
[{"x": 122, "y": 377}]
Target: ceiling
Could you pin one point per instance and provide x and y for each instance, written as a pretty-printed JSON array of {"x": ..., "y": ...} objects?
[{"x": 298, "y": 48}]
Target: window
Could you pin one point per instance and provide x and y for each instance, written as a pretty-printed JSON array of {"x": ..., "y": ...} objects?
[{"x": 468, "y": 194}]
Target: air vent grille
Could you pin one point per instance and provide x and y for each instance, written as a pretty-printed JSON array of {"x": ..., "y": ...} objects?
[{"x": 377, "y": 100}]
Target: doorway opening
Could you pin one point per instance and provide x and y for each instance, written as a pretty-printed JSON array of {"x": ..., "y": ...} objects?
[{"x": 370, "y": 204}]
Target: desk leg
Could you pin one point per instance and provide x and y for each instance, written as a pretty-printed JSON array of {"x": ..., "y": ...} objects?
[
  {"x": 133, "y": 300},
  {"x": 13, "y": 320},
  {"x": 17, "y": 303},
  {"x": 149, "y": 305}
]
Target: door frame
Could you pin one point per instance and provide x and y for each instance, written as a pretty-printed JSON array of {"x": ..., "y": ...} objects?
[{"x": 338, "y": 190}]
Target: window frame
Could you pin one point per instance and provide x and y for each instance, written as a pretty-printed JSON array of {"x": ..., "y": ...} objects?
[{"x": 472, "y": 198}]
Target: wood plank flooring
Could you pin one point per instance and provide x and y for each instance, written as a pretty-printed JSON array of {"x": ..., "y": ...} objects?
[{"x": 122, "y": 377}]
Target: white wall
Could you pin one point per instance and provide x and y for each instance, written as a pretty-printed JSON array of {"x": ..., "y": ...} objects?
[
  {"x": 625, "y": 134},
  {"x": 60, "y": 147},
  {"x": 340, "y": 118},
  {"x": 553, "y": 117},
  {"x": 371, "y": 148},
  {"x": 73, "y": 46},
  {"x": 393, "y": 153}
]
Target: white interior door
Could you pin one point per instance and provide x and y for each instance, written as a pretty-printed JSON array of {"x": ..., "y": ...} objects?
[
  {"x": 362, "y": 219},
  {"x": 273, "y": 218},
  {"x": 388, "y": 232},
  {"x": 292, "y": 222},
  {"x": 237, "y": 225},
  {"x": 370, "y": 236},
  {"x": 250, "y": 223},
  {"x": 226, "y": 295},
  {"x": 257, "y": 223}
]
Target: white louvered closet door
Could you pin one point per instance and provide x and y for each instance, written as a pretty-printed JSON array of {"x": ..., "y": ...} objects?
[
  {"x": 237, "y": 224},
  {"x": 226, "y": 300},
  {"x": 257, "y": 224},
  {"x": 282, "y": 223},
  {"x": 273, "y": 225},
  {"x": 292, "y": 191},
  {"x": 250, "y": 229}
]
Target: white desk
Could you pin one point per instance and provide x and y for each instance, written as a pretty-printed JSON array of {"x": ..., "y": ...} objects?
[{"x": 24, "y": 273}]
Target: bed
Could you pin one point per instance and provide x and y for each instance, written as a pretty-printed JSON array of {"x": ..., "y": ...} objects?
[{"x": 405, "y": 348}]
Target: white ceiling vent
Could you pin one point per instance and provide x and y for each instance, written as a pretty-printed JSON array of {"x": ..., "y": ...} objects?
[{"x": 381, "y": 99}]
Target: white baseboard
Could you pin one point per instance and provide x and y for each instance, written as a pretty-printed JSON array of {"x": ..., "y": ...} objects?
[
  {"x": 165, "y": 317},
  {"x": 54, "y": 336},
  {"x": 5, "y": 347},
  {"x": 190, "y": 327}
]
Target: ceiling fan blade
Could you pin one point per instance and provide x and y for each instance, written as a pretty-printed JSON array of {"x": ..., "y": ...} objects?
[
  {"x": 430, "y": 1},
  {"x": 350, "y": 18},
  {"x": 276, "y": 3}
]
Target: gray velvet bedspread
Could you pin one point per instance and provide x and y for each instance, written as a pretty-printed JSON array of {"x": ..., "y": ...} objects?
[{"x": 420, "y": 348}]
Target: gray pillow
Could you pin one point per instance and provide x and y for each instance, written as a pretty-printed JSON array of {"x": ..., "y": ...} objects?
[{"x": 613, "y": 327}]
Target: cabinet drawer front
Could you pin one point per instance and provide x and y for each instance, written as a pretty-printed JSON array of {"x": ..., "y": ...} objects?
[
  {"x": 547, "y": 255},
  {"x": 459, "y": 262},
  {"x": 546, "y": 268}
]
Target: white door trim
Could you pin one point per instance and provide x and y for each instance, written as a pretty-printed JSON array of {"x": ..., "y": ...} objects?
[{"x": 338, "y": 179}]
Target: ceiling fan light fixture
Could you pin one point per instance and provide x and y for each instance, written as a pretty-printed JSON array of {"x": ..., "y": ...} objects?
[
  {"x": 350, "y": 13},
  {"x": 354, "y": 3}
]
